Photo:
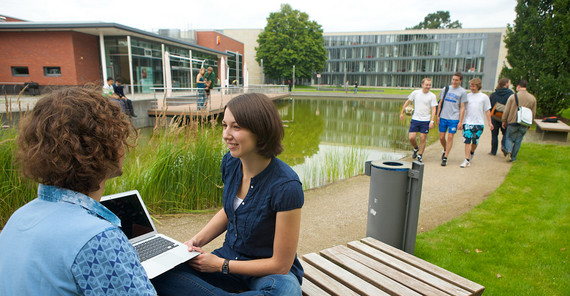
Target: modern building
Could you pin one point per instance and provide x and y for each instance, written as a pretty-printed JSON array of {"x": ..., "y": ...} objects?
[
  {"x": 64, "y": 54},
  {"x": 252, "y": 68},
  {"x": 404, "y": 58}
]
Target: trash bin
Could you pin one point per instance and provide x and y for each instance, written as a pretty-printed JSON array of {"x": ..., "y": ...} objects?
[{"x": 393, "y": 205}]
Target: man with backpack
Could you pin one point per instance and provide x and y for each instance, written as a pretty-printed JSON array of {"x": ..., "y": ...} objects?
[
  {"x": 515, "y": 130},
  {"x": 450, "y": 113}
]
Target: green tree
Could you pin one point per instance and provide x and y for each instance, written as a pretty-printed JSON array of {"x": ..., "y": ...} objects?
[
  {"x": 291, "y": 39},
  {"x": 539, "y": 52},
  {"x": 437, "y": 20}
]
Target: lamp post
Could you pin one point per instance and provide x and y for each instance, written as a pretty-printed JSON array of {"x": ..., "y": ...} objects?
[{"x": 293, "y": 76}]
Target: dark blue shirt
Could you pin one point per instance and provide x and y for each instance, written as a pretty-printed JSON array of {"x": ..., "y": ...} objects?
[
  {"x": 119, "y": 90},
  {"x": 251, "y": 228}
]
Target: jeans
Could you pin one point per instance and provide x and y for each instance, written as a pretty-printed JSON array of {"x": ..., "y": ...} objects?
[
  {"x": 184, "y": 280},
  {"x": 201, "y": 98},
  {"x": 497, "y": 125},
  {"x": 515, "y": 135},
  {"x": 121, "y": 104}
]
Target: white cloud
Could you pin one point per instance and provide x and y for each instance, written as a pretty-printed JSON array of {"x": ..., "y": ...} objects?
[{"x": 334, "y": 16}]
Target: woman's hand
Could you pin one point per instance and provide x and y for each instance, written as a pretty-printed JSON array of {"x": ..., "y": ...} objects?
[{"x": 207, "y": 262}]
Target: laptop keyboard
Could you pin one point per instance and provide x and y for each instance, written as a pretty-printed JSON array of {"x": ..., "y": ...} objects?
[{"x": 153, "y": 247}]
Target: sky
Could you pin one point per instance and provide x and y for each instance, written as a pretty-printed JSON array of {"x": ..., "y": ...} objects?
[{"x": 332, "y": 15}]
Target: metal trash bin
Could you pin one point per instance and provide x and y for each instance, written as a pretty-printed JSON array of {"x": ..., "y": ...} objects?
[{"x": 394, "y": 202}]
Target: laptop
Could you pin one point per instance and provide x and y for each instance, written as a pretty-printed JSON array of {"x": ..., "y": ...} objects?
[{"x": 158, "y": 253}]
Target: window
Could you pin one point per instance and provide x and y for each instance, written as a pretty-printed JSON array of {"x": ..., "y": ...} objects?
[
  {"x": 20, "y": 71},
  {"x": 52, "y": 71}
]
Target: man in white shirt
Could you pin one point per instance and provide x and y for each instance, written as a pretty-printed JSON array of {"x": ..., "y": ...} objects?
[
  {"x": 477, "y": 107},
  {"x": 109, "y": 92},
  {"x": 422, "y": 119}
]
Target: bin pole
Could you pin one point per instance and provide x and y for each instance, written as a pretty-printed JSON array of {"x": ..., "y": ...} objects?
[{"x": 416, "y": 174}]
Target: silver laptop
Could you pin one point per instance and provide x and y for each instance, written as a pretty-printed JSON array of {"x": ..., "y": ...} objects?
[{"x": 158, "y": 253}]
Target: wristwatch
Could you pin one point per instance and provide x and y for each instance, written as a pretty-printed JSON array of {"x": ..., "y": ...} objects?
[{"x": 226, "y": 266}]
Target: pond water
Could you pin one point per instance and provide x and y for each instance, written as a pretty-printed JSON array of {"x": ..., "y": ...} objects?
[{"x": 327, "y": 139}]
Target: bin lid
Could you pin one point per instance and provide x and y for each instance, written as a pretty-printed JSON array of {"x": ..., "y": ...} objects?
[{"x": 392, "y": 165}]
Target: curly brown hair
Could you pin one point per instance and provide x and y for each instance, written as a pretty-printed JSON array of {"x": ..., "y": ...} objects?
[{"x": 74, "y": 138}]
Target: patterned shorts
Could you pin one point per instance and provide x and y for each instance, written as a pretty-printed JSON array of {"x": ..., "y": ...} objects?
[{"x": 471, "y": 133}]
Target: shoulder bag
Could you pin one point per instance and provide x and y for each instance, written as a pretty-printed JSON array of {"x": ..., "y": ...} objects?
[{"x": 524, "y": 114}]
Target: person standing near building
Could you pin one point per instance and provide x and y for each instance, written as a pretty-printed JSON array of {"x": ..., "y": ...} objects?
[
  {"x": 423, "y": 117},
  {"x": 356, "y": 87},
  {"x": 451, "y": 111},
  {"x": 210, "y": 81},
  {"x": 515, "y": 131},
  {"x": 477, "y": 108},
  {"x": 65, "y": 242},
  {"x": 201, "y": 86},
  {"x": 500, "y": 96},
  {"x": 118, "y": 89}
]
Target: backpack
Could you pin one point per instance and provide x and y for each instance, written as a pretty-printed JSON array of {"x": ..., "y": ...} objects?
[{"x": 524, "y": 114}]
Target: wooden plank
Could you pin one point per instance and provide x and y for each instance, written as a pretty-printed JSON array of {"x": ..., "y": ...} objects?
[
  {"x": 407, "y": 268},
  {"x": 324, "y": 281},
  {"x": 343, "y": 276},
  {"x": 339, "y": 256},
  {"x": 442, "y": 273},
  {"x": 391, "y": 273},
  {"x": 310, "y": 289}
]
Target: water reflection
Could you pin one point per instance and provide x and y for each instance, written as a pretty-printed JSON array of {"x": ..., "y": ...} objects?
[{"x": 321, "y": 130}]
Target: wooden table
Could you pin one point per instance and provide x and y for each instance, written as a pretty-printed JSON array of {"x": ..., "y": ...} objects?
[{"x": 370, "y": 267}]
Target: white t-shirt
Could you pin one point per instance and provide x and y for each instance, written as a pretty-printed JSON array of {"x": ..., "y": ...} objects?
[
  {"x": 422, "y": 104},
  {"x": 475, "y": 108}
]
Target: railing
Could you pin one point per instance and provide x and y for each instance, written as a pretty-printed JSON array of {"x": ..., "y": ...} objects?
[{"x": 177, "y": 96}]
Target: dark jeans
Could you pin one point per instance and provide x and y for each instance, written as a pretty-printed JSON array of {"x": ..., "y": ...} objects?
[
  {"x": 129, "y": 107},
  {"x": 183, "y": 280},
  {"x": 497, "y": 125}
]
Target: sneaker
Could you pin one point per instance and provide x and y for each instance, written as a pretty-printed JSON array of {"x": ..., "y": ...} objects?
[
  {"x": 465, "y": 163},
  {"x": 420, "y": 158},
  {"x": 472, "y": 155},
  {"x": 443, "y": 155},
  {"x": 504, "y": 151},
  {"x": 415, "y": 153},
  {"x": 444, "y": 161},
  {"x": 508, "y": 157}
]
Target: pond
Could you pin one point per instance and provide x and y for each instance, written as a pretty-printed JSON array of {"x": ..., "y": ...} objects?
[{"x": 327, "y": 139}]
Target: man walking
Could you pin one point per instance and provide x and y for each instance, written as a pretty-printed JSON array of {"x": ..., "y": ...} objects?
[
  {"x": 450, "y": 115},
  {"x": 423, "y": 117},
  {"x": 515, "y": 131},
  {"x": 476, "y": 110}
]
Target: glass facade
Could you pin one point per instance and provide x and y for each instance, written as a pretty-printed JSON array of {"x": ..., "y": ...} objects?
[
  {"x": 403, "y": 60},
  {"x": 148, "y": 64},
  {"x": 235, "y": 62}
]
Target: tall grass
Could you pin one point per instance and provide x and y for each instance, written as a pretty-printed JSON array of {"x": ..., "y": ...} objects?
[{"x": 178, "y": 170}]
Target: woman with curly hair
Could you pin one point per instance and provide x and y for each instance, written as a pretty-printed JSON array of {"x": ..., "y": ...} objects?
[{"x": 65, "y": 242}]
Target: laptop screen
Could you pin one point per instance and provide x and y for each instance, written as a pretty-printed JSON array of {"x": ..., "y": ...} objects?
[{"x": 134, "y": 221}]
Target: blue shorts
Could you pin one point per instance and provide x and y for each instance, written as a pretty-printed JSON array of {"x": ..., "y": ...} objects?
[
  {"x": 471, "y": 133},
  {"x": 444, "y": 124},
  {"x": 419, "y": 126}
]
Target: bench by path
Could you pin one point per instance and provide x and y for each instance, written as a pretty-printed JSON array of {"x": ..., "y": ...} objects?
[
  {"x": 552, "y": 130},
  {"x": 370, "y": 267}
]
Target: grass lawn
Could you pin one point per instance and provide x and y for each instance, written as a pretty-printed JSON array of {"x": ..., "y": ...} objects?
[{"x": 517, "y": 241}]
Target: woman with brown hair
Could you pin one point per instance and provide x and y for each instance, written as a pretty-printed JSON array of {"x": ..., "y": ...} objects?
[
  {"x": 65, "y": 242},
  {"x": 261, "y": 214}
]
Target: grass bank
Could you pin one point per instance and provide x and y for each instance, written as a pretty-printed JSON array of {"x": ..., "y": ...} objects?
[{"x": 516, "y": 242}]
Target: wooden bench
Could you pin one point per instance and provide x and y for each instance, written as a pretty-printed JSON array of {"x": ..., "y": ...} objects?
[
  {"x": 557, "y": 131},
  {"x": 370, "y": 267}
]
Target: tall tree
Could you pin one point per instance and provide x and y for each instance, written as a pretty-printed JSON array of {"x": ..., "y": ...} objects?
[
  {"x": 539, "y": 52},
  {"x": 437, "y": 20},
  {"x": 291, "y": 39}
]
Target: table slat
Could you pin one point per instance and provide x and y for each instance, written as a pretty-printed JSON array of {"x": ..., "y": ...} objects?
[
  {"x": 343, "y": 276},
  {"x": 324, "y": 281}
]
